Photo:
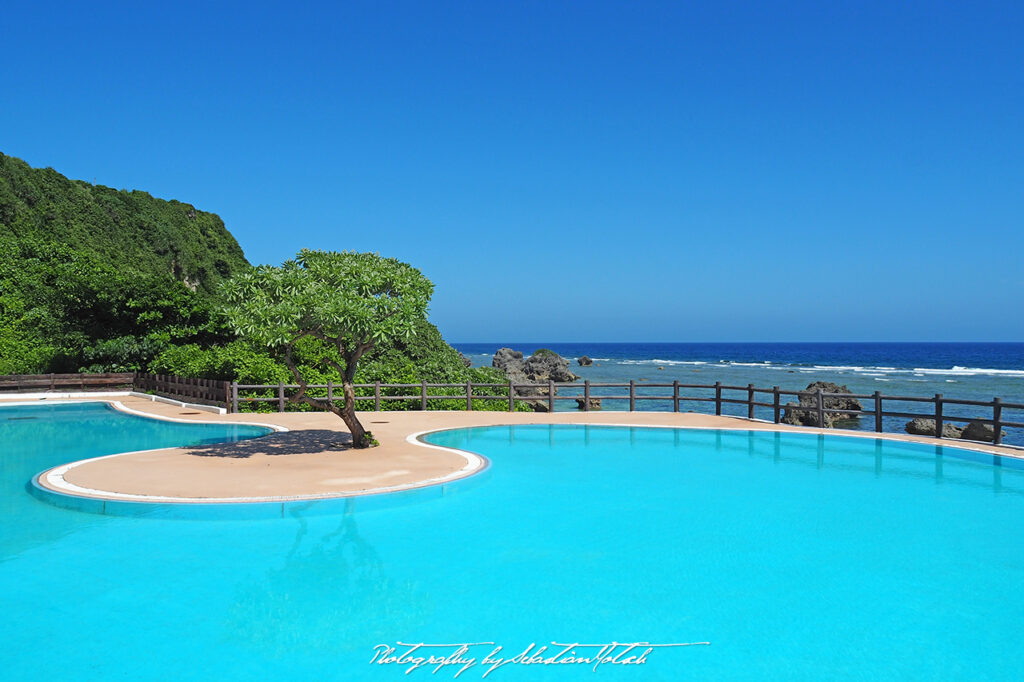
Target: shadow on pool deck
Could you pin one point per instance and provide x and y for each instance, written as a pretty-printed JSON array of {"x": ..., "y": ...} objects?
[{"x": 286, "y": 443}]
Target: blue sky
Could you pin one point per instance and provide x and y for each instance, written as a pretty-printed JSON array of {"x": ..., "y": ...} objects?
[{"x": 572, "y": 170}]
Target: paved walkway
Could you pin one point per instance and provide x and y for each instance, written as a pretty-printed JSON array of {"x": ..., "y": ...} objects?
[{"x": 312, "y": 459}]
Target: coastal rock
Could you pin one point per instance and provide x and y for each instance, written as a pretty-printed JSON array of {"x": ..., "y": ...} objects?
[
  {"x": 980, "y": 431},
  {"x": 543, "y": 366},
  {"x": 926, "y": 427},
  {"x": 506, "y": 359},
  {"x": 809, "y": 417},
  {"x": 595, "y": 403},
  {"x": 465, "y": 361},
  {"x": 547, "y": 365},
  {"x": 584, "y": 361}
]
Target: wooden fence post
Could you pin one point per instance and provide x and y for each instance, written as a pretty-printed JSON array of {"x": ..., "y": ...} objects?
[
  {"x": 234, "y": 397},
  {"x": 280, "y": 396},
  {"x": 423, "y": 395},
  {"x": 938, "y": 415},
  {"x": 821, "y": 410},
  {"x": 675, "y": 395},
  {"x": 376, "y": 396},
  {"x": 551, "y": 395},
  {"x": 511, "y": 396},
  {"x": 586, "y": 395},
  {"x": 469, "y": 395},
  {"x": 775, "y": 404},
  {"x": 878, "y": 411},
  {"x": 750, "y": 401},
  {"x": 997, "y": 421},
  {"x": 718, "y": 398},
  {"x": 330, "y": 392},
  {"x": 632, "y": 395}
]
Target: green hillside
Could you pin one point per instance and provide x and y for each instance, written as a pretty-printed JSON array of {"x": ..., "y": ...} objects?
[
  {"x": 94, "y": 279},
  {"x": 131, "y": 231}
]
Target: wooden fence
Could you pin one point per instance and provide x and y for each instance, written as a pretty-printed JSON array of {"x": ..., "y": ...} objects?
[
  {"x": 205, "y": 391},
  {"x": 232, "y": 396},
  {"x": 56, "y": 382},
  {"x": 774, "y": 399}
]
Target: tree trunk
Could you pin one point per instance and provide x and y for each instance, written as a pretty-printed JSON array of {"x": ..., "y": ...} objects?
[
  {"x": 361, "y": 438},
  {"x": 348, "y": 414}
]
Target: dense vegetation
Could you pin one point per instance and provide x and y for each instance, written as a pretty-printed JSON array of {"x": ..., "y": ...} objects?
[
  {"x": 125, "y": 230},
  {"x": 96, "y": 279}
]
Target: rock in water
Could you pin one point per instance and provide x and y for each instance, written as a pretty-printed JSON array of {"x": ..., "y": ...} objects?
[
  {"x": 595, "y": 403},
  {"x": 543, "y": 366},
  {"x": 809, "y": 417},
  {"x": 547, "y": 365},
  {"x": 584, "y": 361},
  {"x": 926, "y": 427},
  {"x": 980, "y": 431},
  {"x": 465, "y": 361},
  {"x": 506, "y": 359}
]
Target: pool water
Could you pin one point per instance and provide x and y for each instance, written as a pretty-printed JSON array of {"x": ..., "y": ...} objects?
[{"x": 796, "y": 556}]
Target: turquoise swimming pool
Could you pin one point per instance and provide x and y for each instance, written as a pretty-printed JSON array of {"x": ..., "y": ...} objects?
[{"x": 796, "y": 556}]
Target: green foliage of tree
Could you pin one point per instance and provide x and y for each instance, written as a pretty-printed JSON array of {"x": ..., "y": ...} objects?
[
  {"x": 74, "y": 312},
  {"x": 127, "y": 230},
  {"x": 344, "y": 302},
  {"x": 22, "y": 351},
  {"x": 237, "y": 361}
]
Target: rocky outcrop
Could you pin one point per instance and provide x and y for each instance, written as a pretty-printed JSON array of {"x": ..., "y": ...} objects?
[
  {"x": 507, "y": 359},
  {"x": 543, "y": 366},
  {"x": 809, "y": 417},
  {"x": 595, "y": 403},
  {"x": 465, "y": 361},
  {"x": 926, "y": 427},
  {"x": 980, "y": 431},
  {"x": 584, "y": 361}
]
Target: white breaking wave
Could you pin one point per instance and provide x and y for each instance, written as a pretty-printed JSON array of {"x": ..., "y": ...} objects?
[
  {"x": 957, "y": 370},
  {"x": 658, "y": 361},
  {"x": 862, "y": 370}
]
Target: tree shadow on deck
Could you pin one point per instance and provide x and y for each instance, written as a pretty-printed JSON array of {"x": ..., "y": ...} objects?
[{"x": 281, "y": 443}]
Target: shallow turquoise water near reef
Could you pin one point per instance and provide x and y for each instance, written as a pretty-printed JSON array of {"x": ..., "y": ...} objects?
[{"x": 796, "y": 556}]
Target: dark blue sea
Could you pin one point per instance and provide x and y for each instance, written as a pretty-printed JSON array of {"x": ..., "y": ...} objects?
[{"x": 970, "y": 371}]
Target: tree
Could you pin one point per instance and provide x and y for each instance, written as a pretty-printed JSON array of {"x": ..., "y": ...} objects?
[{"x": 347, "y": 301}]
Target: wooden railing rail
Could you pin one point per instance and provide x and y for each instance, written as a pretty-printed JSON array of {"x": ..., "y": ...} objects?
[
  {"x": 54, "y": 382},
  {"x": 634, "y": 392},
  {"x": 776, "y": 400}
]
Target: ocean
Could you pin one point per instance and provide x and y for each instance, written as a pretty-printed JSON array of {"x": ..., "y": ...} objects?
[{"x": 969, "y": 371}]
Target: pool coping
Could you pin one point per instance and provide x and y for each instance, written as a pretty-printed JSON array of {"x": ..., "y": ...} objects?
[{"x": 51, "y": 483}]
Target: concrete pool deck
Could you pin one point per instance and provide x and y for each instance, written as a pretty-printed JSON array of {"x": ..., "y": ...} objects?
[{"x": 304, "y": 462}]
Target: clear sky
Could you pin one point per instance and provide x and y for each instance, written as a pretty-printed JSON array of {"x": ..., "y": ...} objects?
[{"x": 572, "y": 170}]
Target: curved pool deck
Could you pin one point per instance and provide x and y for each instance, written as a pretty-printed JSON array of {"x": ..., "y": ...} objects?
[{"x": 303, "y": 463}]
